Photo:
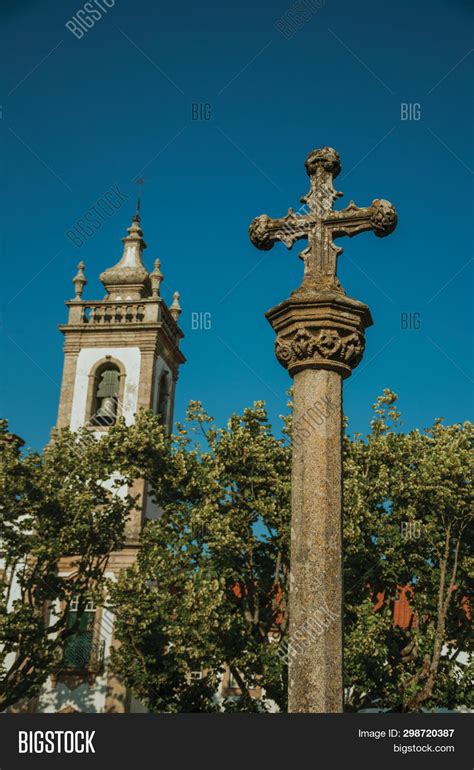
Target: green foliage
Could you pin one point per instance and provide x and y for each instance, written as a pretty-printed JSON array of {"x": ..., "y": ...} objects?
[
  {"x": 408, "y": 521},
  {"x": 209, "y": 588},
  {"x": 205, "y": 589},
  {"x": 211, "y": 580},
  {"x": 51, "y": 506}
]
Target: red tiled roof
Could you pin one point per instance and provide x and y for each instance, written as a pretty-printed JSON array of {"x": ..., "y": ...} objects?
[{"x": 403, "y": 615}]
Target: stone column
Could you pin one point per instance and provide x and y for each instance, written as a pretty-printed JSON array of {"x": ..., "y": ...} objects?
[
  {"x": 320, "y": 339},
  {"x": 315, "y": 659}
]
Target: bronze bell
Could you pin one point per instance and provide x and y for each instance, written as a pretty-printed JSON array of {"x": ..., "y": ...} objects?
[
  {"x": 107, "y": 410},
  {"x": 106, "y": 398}
]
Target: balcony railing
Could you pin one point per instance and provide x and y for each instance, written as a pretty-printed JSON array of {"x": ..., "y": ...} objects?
[
  {"x": 112, "y": 313},
  {"x": 81, "y": 653},
  {"x": 108, "y": 313}
]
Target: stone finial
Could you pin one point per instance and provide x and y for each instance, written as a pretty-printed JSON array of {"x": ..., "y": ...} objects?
[
  {"x": 79, "y": 280},
  {"x": 175, "y": 308},
  {"x": 128, "y": 279},
  {"x": 156, "y": 278}
]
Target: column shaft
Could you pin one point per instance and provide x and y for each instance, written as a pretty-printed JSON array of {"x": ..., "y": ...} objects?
[{"x": 315, "y": 659}]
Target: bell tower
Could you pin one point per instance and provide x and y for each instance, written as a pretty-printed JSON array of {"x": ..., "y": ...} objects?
[{"x": 121, "y": 353}]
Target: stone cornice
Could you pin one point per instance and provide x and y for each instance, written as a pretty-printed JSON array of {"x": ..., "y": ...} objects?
[{"x": 151, "y": 338}]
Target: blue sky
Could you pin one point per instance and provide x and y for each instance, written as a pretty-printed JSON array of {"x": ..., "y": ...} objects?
[{"x": 79, "y": 116}]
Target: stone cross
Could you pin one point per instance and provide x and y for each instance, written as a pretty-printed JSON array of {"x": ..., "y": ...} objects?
[
  {"x": 320, "y": 339},
  {"x": 320, "y": 224}
]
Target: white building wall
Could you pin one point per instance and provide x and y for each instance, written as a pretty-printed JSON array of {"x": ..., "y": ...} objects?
[{"x": 14, "y": 595}]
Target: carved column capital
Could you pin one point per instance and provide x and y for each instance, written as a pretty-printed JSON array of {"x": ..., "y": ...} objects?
[
  {"x": 321, "y": 331},
  {"x": 319, "y": 347}
]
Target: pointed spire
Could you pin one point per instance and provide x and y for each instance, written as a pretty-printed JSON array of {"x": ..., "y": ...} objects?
[
  {"x": 156, "y": 278},
  {"x": 128, "y": 279},
  {"x": 175, "y": 307},
  {"x": 79, "y": 281}
]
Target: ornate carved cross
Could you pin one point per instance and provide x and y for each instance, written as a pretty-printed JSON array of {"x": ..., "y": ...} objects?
[{"x": 320, "y": 224}]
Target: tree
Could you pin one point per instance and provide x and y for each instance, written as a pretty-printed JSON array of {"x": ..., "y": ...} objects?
[
  {"x": 51, "y": 506},
  {"x": 408, "y": 522},
  {"x": 209, "y": 587},
  {"x": 210, "y": 584}
]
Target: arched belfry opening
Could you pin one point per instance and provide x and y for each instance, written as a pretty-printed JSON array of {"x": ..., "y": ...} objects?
[{"x": 105, "y": 403}]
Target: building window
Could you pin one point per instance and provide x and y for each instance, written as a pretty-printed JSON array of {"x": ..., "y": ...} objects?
[
  {"x": 106, "y": 396},
  {"x": 78, "y": 647},
  {"x": 230, "y": 686},
  {"x": 232, "y": 682},
  {"x": 195, "y": 676},
  {"x": 163, "y": 398}
]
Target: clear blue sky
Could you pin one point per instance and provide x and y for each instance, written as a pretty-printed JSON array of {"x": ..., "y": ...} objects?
[{"x": 80, "y": 115}]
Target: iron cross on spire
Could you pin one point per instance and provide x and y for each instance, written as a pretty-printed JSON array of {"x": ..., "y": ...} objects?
[
  {"x": 140, "y": 181},
  {"x": 320, "y": 224}
]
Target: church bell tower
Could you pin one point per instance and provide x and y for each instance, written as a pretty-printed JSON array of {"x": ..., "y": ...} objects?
[{"x": 121, "y": 353}]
